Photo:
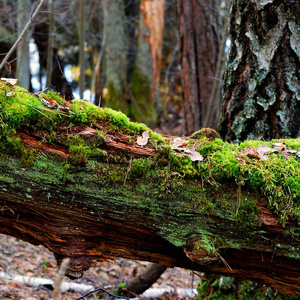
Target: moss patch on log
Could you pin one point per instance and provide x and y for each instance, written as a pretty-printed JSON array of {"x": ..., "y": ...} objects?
[{"x": 221, "y": 185}]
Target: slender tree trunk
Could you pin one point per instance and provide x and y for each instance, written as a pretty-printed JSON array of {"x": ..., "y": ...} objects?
[
  {"x": 146, "y": 75},
  {"x": 51, "y": 5},
  {"x": 261, "y": 88},
  {"x": 199, "y": 50},
  {"x": 115, "y": 53},
  {"x": 81, "y": 47},
  {"x": 212, "y": 114},
  {"x": 23, "y": 70}
]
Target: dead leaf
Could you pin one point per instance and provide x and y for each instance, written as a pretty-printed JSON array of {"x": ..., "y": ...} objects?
[
  {"x": 279, "y": 146},
  {"x": 48, "y": 103},
  {"x": 193, "y": 154},
  {"x": 178, "y": 144},
  {"x": 10, "y": 81},
  {"x": 265, "y": 149},
  {"x": 252, "y": 152},
  {"x": 143, "y": 140}
]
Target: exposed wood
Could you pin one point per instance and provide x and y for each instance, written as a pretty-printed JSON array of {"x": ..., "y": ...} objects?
[
  {"x": 153, "y": 17},
  {"x": 145, "y": 80}
]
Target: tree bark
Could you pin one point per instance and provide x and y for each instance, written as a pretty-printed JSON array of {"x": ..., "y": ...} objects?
[
  {"x": 144, "y": 281},
  {"x": 261, "y": 87},
  {"x": 77, "y": 180},
  {"x": 23, "y": 70},
  {"x": 146, "y": 75},
  {"x": 115, "y": 53},
  {"x": 50, "y": 46},
  {"x": 200, "y": 35}
]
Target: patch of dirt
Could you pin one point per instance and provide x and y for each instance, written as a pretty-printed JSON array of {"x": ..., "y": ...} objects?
[{"x": 20, "y": 258}]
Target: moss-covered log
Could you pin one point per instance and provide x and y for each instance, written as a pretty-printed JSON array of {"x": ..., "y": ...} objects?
[{"x": 89, "y": 185}]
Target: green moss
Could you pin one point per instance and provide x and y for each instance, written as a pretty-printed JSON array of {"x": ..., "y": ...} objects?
[
  {"x": 206, "y": 244},
  {"x": 51, "y": 95},
  {"x": 206, "y": 147},
  {"x": 205, "y": 134},
  {"x": 6, "y": 179},
  {"x": 169, "y": 180}
]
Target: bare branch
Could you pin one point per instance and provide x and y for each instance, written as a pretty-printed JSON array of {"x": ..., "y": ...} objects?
[
  {"x": 22, "y": 33},
  {"x": 59, "y": 278}
]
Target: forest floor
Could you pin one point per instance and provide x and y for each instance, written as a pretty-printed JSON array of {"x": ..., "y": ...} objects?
[{"x": 20, "y": 258}]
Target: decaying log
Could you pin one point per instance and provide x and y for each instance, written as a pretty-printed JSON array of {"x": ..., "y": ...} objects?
[{"x": 88, "y": 191}]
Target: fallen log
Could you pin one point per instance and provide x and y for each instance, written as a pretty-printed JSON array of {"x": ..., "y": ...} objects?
[{"x": 90, "y": 185}]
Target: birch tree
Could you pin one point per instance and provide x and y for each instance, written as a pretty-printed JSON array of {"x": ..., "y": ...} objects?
[{"x": 261, "y": 87}]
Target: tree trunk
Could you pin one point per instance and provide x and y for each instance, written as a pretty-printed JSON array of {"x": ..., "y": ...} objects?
[
  {"x": 23, "y": 70},
  {"x": 146, "y": 75},
  {"x": 144, "y": 281},
  {"x": 200, "y": 35},
  {"x": 115, "y": 53},
  {"x": 261, "y": 87},
  {"x": 85, "y": 183},
  {"x": 50, "y": 46},
  {"x": 81, "y": 35}
]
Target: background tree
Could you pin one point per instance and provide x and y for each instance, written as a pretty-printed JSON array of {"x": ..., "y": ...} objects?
[
  {"x": 23, "y": 71},
  {"x": 115, "y": 53},
  {"x": 261, "y": 87},
  {"x": 201, "y": 36},
  {"x": 145, "y": 82},
  {"x": 81, "y": 34},
  {"x": 49, "y": 68}
]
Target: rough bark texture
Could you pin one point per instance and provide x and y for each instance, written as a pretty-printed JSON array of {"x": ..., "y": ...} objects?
[
  {"x": 261, "y": 91},
  {"x": 199, "y": 50}
]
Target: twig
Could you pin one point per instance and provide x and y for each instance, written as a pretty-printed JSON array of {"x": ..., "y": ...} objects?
[
  {"x": 128, "y": 170},
  {"x": 54, "y": 14},
  {"x": 22, "y": 33},
  {"x": 239, "y": 199},
  {"x": 59, "y": 278},
  {"x": 103, "y": 290},
  {"x": 63, "y": 74}
]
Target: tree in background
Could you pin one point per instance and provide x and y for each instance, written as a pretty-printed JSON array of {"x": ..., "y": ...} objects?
[
  {"x": 23, "y": 70},
  {"x": 145, "y": 82},
  {"x": 201, "y": 29},
  {"x": 115, "y": 53},
  {"x": 261, "y": 88},
  {"x": 81, "y": 35},
  {"x": 132, "y": 50}
]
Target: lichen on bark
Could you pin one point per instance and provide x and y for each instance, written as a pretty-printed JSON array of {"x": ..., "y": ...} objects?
[{"x": 261, "y": 90}]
